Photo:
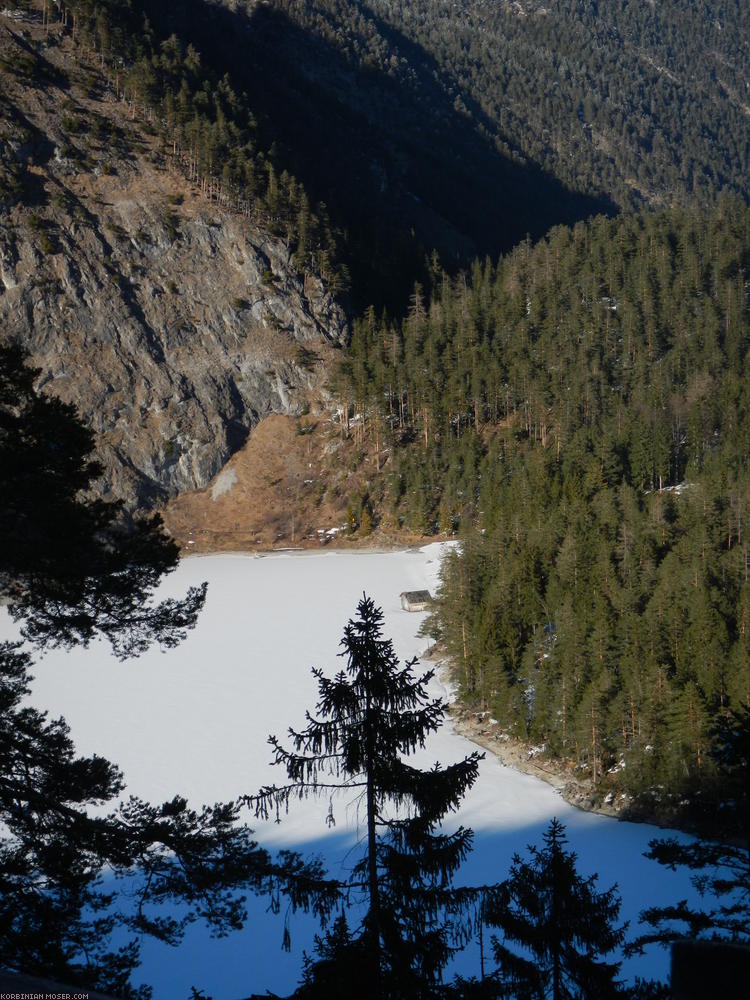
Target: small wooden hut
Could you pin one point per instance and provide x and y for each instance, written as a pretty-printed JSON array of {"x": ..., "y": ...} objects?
[{"x": 415, "y": 600}]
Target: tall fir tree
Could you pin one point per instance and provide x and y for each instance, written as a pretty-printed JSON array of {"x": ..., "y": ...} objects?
[
  {"x": 555, "y": 926},
  {"x": 369, "y": 717}
]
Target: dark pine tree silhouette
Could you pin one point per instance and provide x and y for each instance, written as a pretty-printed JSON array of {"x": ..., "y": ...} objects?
[
  {"x": 74, "y": 568},
  {"x": 556, "y": 925},
  {"x": 370, "y": 717},
  {"x": 339, "y": 960},
  {"x": 56, "y": 914}
]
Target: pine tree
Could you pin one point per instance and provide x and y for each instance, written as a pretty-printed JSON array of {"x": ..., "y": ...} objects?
[
  {"x": 369, "y": 717},
  {"x": 546, "y": 909},
  {"x": 365, "y": 524},
  {"x": 73, "y": 568},
  {"x": 338, "y": 963},
  {"x": 56, "y": 916}
]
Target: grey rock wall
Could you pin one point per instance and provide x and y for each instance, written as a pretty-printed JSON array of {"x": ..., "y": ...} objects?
[{"x": 172, "y": 325}]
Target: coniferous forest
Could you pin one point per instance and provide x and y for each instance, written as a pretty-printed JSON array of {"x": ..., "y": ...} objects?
[
  {"x": 577, "y": 414},
  {"x": 537, "y": 220},
  {"x": 373, "y": 134}
]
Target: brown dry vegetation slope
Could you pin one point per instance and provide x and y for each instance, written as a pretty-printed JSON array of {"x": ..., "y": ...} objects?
[{"x": 298, "y": 481}]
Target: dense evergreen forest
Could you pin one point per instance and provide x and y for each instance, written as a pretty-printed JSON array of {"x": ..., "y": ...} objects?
[
  {"x": 350, "y": 165},
  {"x": 638, "y": 102},
  {"x": 430, "y": 126},
  {"x": 463, "y": 127},
  {"x": 579, "y": 413}
]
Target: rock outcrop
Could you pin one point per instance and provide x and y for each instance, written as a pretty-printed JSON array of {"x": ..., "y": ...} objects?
[{"x": 172, "y": 324}]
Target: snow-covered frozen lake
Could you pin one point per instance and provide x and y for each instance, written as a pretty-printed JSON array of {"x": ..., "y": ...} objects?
[{"x": 194, "y": 722}]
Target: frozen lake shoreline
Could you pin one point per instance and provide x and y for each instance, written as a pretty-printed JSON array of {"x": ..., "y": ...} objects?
[{"x": 195, "y": 722}]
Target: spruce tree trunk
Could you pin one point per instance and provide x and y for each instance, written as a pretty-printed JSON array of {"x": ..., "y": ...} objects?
[
  {"x": 372, "y": 857},
  {"x": 556, "y": 936}
]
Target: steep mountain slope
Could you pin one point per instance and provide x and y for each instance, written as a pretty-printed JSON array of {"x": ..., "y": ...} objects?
[
  {"x": 647, "y": 103},
  {"x": 172, "y": 323},
  {"x": 364, "y": 114},
  {"x": 464, "y": 126}
]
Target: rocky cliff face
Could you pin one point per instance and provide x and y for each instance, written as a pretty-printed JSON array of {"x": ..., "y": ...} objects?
[{"x": 171, "y": 323}]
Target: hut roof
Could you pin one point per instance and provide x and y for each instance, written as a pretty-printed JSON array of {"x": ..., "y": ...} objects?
[{"x": 416, "y": 596}]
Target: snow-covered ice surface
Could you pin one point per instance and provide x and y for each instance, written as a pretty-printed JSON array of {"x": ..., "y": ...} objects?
[{"x": 194, "y": 722}]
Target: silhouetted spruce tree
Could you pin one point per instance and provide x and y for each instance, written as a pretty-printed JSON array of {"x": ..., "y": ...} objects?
[
  {"x": 555, "y": 927},
  {"x": 370, "y": 717},
  {"x": 73, "y": 568},
  {"x": 337, "y": 965}
]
